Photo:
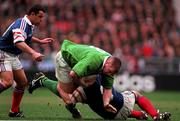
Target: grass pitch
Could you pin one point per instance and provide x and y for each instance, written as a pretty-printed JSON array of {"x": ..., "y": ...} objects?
[{"x": 43, "y": 105}]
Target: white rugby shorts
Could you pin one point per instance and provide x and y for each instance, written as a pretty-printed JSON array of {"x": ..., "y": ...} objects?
[
  {"x": 9, "y": 62},
  {"x": 129, "y": 101},
  {"x": 62, "y": 69}
]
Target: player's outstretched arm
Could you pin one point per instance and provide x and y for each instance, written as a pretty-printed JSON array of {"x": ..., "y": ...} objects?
[{"x": 43, "y": 41}]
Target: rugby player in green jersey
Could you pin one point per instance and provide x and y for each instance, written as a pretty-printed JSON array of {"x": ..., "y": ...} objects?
[{"x": 76, "y": 62}]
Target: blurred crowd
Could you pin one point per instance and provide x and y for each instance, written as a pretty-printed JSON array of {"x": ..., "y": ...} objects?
[{"x": 129, "y": 29}]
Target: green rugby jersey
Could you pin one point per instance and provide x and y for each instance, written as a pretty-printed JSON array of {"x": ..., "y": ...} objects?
[{"x": 85, "y": 60}]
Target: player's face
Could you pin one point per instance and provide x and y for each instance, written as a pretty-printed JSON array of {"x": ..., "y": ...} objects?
[
  {"x": 109, "y": 69},
  {"x": 38, "y": 18}
]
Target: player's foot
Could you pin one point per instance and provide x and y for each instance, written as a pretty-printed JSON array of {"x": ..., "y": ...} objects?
[
  {"x": 162, "y": 116},
  {"x": 74, "y": 111},
  {"x": 36, "y": 82},
  {"x": 16, "y": 114},
  {"x": 144, "y": 116}
]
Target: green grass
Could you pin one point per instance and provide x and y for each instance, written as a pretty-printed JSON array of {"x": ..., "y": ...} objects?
[{"x": 43, "y": 105}]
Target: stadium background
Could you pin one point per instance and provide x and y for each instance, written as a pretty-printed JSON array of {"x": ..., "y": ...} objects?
[{"x": 144, "y": 34}]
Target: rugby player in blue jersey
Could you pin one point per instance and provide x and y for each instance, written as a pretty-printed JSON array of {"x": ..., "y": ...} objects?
[
  {"x": 15, "y": 40},
  {"x": 93, "y": 96}
]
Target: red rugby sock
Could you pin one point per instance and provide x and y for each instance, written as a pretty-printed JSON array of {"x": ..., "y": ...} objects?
[
  {"x": 145, "y": 104},
  {"x": 16, "y": 99}
]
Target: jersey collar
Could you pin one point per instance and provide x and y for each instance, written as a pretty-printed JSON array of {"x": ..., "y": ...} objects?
[
  {"x": 27, "y": 20},
  {"x": 105, "y": 59}
]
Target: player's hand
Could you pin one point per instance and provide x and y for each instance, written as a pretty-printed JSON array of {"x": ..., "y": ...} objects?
[
  {"x": 37, "y": 56},
  {"x": 47, "y": 40},
  {"x": 110, "y": 108},
  {"x": 67, "y": 99}
]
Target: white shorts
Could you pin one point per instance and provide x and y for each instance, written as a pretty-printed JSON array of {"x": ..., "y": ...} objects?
[
  {"x": 129, "y": 101},
  {"x": 62, "y": 69},
  {"x": 9, "y": 62}
]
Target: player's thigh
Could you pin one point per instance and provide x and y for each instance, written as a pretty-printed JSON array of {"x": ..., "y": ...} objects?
[
  {"x": 20, "y": 78},
  {"x": 6, "y": 75},
  {"x": 67, "y": 87},
  {"x": 129, "y": 99},
  {"x": 7, "y": 78}
]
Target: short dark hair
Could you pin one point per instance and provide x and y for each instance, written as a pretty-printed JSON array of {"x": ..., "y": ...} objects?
[
  {"x": 36, "y": 8},
  {"x": 117, "y": 63}
]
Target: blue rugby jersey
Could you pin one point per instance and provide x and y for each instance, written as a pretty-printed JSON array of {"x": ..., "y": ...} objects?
[
  {"x": 19, "y": 31},
  {"x": 95, "y": 99}
]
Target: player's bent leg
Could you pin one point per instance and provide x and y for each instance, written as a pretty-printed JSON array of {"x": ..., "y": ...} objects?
[
  {"x": 40, "y": 80},
  {"x": 145, "y": 104}
]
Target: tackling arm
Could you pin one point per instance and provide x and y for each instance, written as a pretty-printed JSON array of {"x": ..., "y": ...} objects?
[
  {"x": 106, "y": 96},
  {"x": 107, "y": 93},
  {"x": 42, "y": 41}
]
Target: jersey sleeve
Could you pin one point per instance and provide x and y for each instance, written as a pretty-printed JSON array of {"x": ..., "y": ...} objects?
[
  {"x": 86, "y": 66},
  {"x": 18, "y": 31},
  {"x": 18, "y": 35}
]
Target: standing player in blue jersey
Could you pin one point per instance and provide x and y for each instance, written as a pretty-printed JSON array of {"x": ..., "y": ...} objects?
[{"x": 13, "y": 42}]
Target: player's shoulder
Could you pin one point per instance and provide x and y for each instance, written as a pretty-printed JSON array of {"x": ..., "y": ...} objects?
[
  {"x": 18, "y": 22},
  {"x": 66, "y": 44},
  {"x": 68, "y": 41}
]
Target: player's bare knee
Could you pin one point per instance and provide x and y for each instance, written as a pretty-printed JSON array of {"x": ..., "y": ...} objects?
[
  {"x": 8, "y": 83},
  {"x": 21, "y": 84}
]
